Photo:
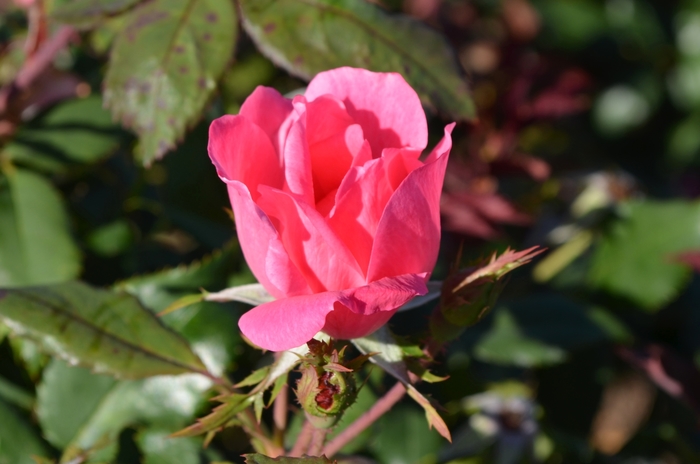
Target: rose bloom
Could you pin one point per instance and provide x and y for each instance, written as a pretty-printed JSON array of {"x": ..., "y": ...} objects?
[{"x": 337, "y": 216}]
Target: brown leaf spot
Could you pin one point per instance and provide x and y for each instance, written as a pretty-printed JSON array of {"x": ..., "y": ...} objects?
[
  {"x": 212, "y": 17},
  {"x": 269, "y": 28},
  {"x": 206, "y": 37}
]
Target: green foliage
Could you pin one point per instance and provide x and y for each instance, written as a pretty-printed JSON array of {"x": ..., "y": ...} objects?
[
  {"x": 109, "y": 332},
  {"x": 183, "y": 47},
  {"x": 36, "y": 246},
  {"x": 18, "y": 439},
  {"x": 642, "y": 266},
  {"x": 351, "y": 33}
]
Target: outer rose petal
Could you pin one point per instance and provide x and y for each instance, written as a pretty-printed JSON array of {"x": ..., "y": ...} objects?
[
  {"x": 262, "y": 246},
  {"x": 233, "y": 141},
  {"x": 386, "y": 107},
  {"x": 369, "y": 307},
  {"x": 290, "y": 322},
  {"x": 268, "y": 110},
  {"x": 322, "y": 258},
  {"x": 408, "y": 235}
]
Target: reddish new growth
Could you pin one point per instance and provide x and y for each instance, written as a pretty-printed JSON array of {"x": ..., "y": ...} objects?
[{"x": 324, "y": 398}]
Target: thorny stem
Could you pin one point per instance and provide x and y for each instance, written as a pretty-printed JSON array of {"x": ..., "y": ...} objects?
[
  {"x": 319, "y": 437},
  {"x": 375, "y": 412},
  {"x": 303, "y": 440},
  {"x": 279, "y": 414}
]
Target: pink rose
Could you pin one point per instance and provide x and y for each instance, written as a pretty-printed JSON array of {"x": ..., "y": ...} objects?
[{"x": 336, "y": 215}]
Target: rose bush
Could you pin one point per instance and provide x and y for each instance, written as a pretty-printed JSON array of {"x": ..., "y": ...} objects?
[{"x": 336, "y": 215}]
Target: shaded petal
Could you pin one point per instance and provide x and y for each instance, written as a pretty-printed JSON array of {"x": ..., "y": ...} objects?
[
  {"x": 289, "y": 322},
  {"x": 268, "y": 110},
  {"x": 233, "y": 142},
  {"x": 367, "y": 308},
  {"x": 386, "y": 294},
  {"x": 386, "y": 107},
  {"x": 317, "y": 252},
  {"x": 362, "y": 197},
  {"x": 296, "y": 158},
  {"x": 262, "y": 247},
  {"x": 408, "y": 236}
]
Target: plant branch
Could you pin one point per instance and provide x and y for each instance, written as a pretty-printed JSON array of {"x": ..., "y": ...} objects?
[
  {"x": 379, "y": 408},
  {"x": 279, "y": 414},
  {"x": 317, "y": 440},
  {"x": 303, "y": 440}
]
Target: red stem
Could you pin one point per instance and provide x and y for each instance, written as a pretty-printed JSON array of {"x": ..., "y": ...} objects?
[
  {"x": 303, "y": 440},
  {"x": 379, "y": 408}
]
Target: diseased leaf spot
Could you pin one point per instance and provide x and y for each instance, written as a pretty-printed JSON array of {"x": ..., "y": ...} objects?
[
  {"x": 206, "y": 37},
  {"x": 212, "y": 17},
  {"x": 269, "y": 28},
  {"x": 179, "y": 49},
  {"x": 202, "y": 83},
  {"x": 183, "y": 69}
]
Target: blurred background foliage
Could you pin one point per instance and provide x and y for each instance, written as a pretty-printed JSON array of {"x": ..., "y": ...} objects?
[{"x": 578, "y": 129}]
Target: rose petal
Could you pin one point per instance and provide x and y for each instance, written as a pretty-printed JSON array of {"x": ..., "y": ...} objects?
[
  {"x": 369, "y": 307},
  {"x": 268, "y": 110},
  {"x": 314, "y": 248},
  {"x": 262, "y": 246},
  {"x": 386, "y": 107},
  {"x": 233, "y": 140},
  {"x": 289, "y": 322},
  {"x": 298, "y": 179},
  {"x": 362, "y": 197},
  {"x": 408, "y": 235}
]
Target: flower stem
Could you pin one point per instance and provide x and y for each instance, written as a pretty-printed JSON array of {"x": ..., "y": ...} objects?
[
  {"x": 375, "y": 412},
  {"x": 279, "y": 414},
  {"x": 319, "y": 437},
  {"x": 303, "y": 440}
]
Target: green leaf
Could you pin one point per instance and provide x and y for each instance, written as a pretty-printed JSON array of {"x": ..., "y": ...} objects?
[
  {"x": 634, "y": 263},
  {"x": 164, "y": 66},
  {"x": 159, "y": 290},
  {"x": 18, "y": 441},
  {"x": 210, "y": 327},
  {"x": 15, "y": 395},
  {"x": 390, "y": 357},
  {"x": 35, "y": 243},
  {"x": 353, "y": 33},
  {"x": 506, "y": 345},
  {"x": 262, "y": 459},
  {"x": 87, "y": 13},
  {"x": 110, "y": 239},
  {"x": 78, "y": 131},
  {"x": 105, "y": 406},
  {"x": 159, "y": 448},
  {"x": 110, "y": 332},
  {"x": 401, "y": 438},
  {"x": 61, "y": 412},
  {"x": 221, "y": 416}
]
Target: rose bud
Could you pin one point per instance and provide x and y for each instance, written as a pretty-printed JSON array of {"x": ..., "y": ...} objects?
[
  {"x": 327, "y": 385},
  {"x": 337, "y": 216}
]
